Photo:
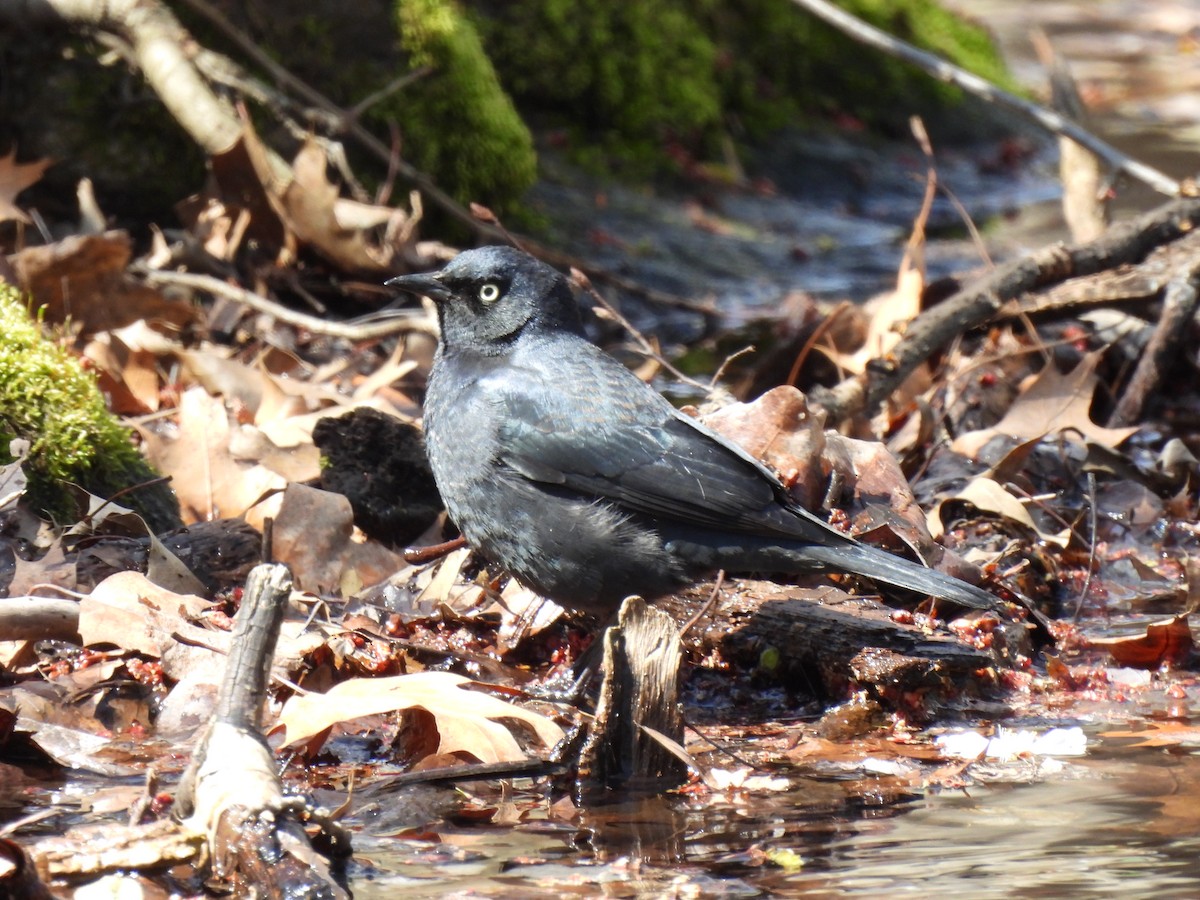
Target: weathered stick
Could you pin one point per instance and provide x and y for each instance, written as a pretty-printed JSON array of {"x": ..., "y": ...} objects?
[
  {"x": 978, "y": 302},
  {"x": 642, "y": 653},
  {"x": 231, "y": 790},
  {"x": 1180, "y": 299},
  {"x": 944, "y": 71}
]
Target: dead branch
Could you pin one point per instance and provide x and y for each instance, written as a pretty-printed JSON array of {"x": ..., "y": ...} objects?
[
  {"x": 979, "y": 302},
  {"x": 231, "y": 789},
  {"x": 156, "y": 43},
  {"x": 1180, "y": 300},
  {"x": 943, "y": 71},
  {"x": 362, "y": 331}
]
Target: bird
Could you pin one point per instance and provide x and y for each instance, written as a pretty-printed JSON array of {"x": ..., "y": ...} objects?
[{"x": 558, "y": 464}]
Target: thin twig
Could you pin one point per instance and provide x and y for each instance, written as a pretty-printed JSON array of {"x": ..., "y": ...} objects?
[
  {"x": 397, "y": 323},
  {"x": 819, "y": 332},
  {"x": 720, "y": 373},
  {"x": 980, "y": 300},
  {"x": 703, "y": 610},
  {"x": 1087, "y": 582},
  {"x": 944, "y": 71},
  {"x": 722, "y": 748},
  {"x": 644, "y": 345},
  {"x": 1181, "y": 297},
  {"x": 392, "y": 87}
]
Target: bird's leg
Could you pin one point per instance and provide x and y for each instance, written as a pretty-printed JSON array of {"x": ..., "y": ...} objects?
[{"x": 419, "y": 556}]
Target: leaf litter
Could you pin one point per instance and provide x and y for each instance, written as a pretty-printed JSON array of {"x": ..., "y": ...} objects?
[{"x": 225, "y": 403}]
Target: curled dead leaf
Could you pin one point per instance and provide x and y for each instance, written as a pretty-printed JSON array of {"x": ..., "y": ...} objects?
[
  {"x": 467, "y": 721},
  {"x": 1168, "y": 642},
  {"x": 1051, "y": 402},
  {"x": 988, "y": 495}
]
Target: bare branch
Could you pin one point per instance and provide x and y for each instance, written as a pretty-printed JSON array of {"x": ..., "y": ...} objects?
[{"x": 952, "y": 74}]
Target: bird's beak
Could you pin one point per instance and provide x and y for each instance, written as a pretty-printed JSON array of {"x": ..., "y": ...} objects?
[{"x": 422, "y": 283}]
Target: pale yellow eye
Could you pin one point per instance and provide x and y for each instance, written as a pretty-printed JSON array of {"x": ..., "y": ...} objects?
[{"x": 489, "y": 293}]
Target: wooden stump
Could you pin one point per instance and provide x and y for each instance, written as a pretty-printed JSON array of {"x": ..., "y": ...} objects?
[{"x": 642, "y": 653}]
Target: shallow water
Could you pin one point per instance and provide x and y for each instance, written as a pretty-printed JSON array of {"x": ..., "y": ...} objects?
[{"x": 1117, "y": 822}]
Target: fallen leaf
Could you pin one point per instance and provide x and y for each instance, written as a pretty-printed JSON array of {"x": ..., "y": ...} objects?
[
  {"x": 466, "y": 720},
  {"x": 1050, "y": 403},
  {"x": 779, "y": 429},
  {"x": 1169, "y": 641},
  {"x": 889, "y": 314},
  {"x": 130, "y": 611},
  {"x": 14, "y": 178},
  {"x": 207, "y": 479},
  {"x": 309, "y": 208},
  {"x": 988, "y": 495},
  {"x": 314, "y": 535},
  {"x": 1160, "y": 734},
  {"x": 84, "y": 277}
]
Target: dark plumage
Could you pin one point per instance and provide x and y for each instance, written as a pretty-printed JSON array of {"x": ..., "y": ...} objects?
[{"x": 560, "y": 465}]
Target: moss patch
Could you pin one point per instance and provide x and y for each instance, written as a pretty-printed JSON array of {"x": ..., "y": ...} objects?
[
  {"x": 47, "y": 398},
  {"x": 629, "y": 78},
  {"x": 628, "y": 75},
  {"x": 459, "y": 123}
]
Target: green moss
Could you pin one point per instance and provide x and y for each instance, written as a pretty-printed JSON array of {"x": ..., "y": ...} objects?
[
  {"x": 628, "y": 78},
  {"x": 458, "y": 123},
  {"x": 47, "y": 398},
  {"x": 784, "y": 65},
  {"x": 630, "y": 75}
]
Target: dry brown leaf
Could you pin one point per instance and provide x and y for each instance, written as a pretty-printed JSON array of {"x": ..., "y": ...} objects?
[
  {"x": 466, "y": 720},
  {"x": 219, "y": 374},
  {"x": 314, "y": 534},
  {"x": 878, "y": 484},
  {"x": 779, "y": 429},
  {"x": 207, "y": 479},
  {"x": 1050, "y": 403},
  {"x": 987, "y": 495},
  {"x": 889, "y": 314},
  {"x": 14, "y": 178},
  {"x": 126, "y": 360},
  {"x": 308, "y": 205},
  {"x": 241, "y": 179},
  {"x": 130, "y": 611},
  {"x": 84, "y": 277},
  {"x": 1166, "y": 642}
]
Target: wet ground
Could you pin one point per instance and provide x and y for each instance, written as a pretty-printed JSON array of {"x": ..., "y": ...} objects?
[{"x": 1118, "y": 820}]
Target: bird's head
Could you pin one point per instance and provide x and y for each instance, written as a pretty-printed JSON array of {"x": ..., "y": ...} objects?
[{"x": 486, "y": 297}]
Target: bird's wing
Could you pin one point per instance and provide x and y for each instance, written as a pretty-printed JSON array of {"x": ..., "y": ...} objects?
[{"x": 627, "y": 444}]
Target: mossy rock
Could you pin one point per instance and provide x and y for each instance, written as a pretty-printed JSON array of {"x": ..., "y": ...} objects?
[
  {"x": 47, "y": 398},
  {"x": 784, "y": 65},
  {"x": 628, "y": 78},
  {"x": 458, "y": 123}
]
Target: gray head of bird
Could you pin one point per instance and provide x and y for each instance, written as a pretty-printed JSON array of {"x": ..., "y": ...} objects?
[{"x": 487, "y": 297}]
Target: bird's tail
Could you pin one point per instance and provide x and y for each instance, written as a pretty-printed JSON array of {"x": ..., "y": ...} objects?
[{"x": 879, "y": 565}]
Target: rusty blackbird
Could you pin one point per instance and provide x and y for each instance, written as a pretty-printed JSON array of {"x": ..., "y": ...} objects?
[{"x": 560, "y": 465}]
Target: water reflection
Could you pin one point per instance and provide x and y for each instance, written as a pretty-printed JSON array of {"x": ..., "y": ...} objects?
[{"x": 1122, "y": 822}]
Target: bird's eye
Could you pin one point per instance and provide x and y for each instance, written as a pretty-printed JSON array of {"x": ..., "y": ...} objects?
[{"x": 489, "y": 293}]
